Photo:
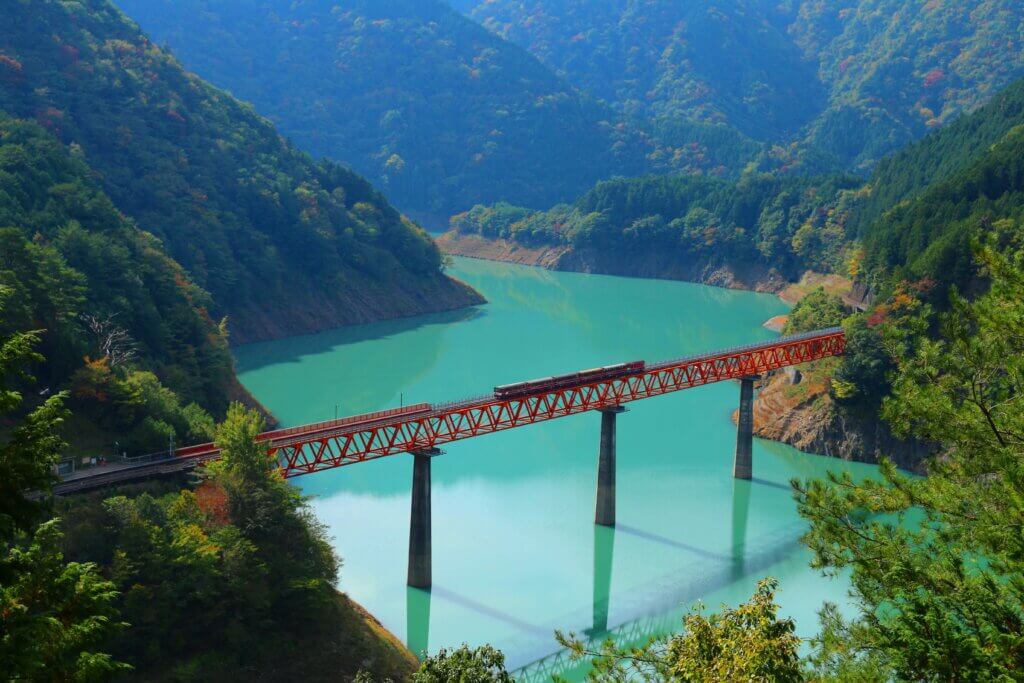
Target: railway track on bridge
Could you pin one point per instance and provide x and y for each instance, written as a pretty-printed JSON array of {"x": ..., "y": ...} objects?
[{"x": 418, "y": 428}]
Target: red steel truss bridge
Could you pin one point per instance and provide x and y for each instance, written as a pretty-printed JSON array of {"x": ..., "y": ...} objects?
[
  {"x": 335, "y": 444},
  {"x": 419, "y": 428}
]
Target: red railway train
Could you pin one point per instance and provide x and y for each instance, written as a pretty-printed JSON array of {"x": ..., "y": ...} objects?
[{"x": 538, "y": 386}]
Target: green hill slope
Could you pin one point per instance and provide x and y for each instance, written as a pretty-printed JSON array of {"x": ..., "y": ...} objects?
[
  {"x": 897, "y": 69},
  {"x": 941, "y": 155},
  {"x": 103, "y": 289},
  {"x": 849, "y": 80},
  {"x": 436, "y": 111},
  {"x": 705, "y": 61},
  {"x": 930, "y": 236},
  {"x": 283, "y": 244}
]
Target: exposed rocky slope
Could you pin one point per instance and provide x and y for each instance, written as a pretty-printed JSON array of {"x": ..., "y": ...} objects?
[
  {"x": 794, "y": 407},
  {"x": 648, "y": 263}
]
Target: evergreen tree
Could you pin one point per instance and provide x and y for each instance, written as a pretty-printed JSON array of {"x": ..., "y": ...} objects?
[
  {"x": 937, "y": 563},
  {"x": 481, "y": 665},
  {"x": 54, "y": 616},
  {"x": 817, "y": 310}
]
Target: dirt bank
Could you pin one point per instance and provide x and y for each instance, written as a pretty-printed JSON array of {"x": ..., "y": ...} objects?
[{"x": 639, "y": 263}]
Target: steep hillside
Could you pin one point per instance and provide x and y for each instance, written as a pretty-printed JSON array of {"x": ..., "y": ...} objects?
[
  {"x": 941, "y": 155},
  {"x": 102, "y": 289},
  {"x": 862, "y": 77},
  {"x": 899, "y": 68},
  {"x": 436, "y": 111},
  {"x": 709, "y": 61},
  {"x": 929, "y": 237},
  {"x": 283, "y": 244}
]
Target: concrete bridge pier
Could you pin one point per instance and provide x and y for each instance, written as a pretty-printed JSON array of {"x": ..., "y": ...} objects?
[
  {"x": 605, "y": 515},
  {"x": 743, "y": 462},
  {"x": 419, "y": 524}
]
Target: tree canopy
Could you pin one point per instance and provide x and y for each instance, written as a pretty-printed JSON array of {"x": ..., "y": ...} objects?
[
  {"x": 936, "y": 562},
  {"x": 788, "y": 223},
  {"x": 745, "y": 643},
  {"x": 55, "y": 616}
]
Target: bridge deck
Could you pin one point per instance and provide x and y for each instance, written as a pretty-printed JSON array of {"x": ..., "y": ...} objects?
[{"x": 335, "y": 443}]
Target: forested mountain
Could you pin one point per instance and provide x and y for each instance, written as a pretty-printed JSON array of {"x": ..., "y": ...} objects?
[
  {"x": 930, "y": 237},
  {"x": 913, "y": 219},
  {"x": 282, "y": 243},
  {"x": 443, "y": 112},
  {"x": 865, "y": 76},
  {"x": 899, "y": 68},
  {"x": 105, "y": 291},
  {"x": 707, "y": 61},
  {"x": 435, "y": 110},
  {"x": 941, "y": 155}
]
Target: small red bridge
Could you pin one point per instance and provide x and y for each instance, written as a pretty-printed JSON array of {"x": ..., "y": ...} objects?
[{"x": 419, "y": 429}]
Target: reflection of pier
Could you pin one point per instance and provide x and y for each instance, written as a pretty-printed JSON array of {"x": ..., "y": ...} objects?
[
  {"x": 636, "y": 632},
  {"x": 604, "y": 549},
  {"x": 643, "y": 611},
  {"x": 417, "y": 621}
]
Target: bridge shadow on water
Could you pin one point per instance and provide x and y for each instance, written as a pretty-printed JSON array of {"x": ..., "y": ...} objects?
[
  {"x": 643, "y": 612},
  {"x": 772, "y": 484}
]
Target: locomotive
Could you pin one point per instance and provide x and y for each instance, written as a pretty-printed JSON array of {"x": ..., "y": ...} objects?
[{"x": 539, "y": 386}]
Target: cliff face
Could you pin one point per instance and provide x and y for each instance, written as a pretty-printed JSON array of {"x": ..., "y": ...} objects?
[{"x": 795, "y": 408}]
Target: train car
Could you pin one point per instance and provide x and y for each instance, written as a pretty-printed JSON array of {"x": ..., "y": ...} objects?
[{"x": 537, "y": 386}]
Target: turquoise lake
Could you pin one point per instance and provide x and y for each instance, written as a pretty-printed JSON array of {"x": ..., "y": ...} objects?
[{"x": 516, "y": 553}]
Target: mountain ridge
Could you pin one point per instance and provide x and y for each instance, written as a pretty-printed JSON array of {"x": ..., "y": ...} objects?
[
  {"x": 874, "y": 74},
  {"x": 436, "y": 110},
  {"x": 251, "y": 218}
]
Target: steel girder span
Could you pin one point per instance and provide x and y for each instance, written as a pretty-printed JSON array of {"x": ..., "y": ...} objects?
[{"x": 326, "y": 445}]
